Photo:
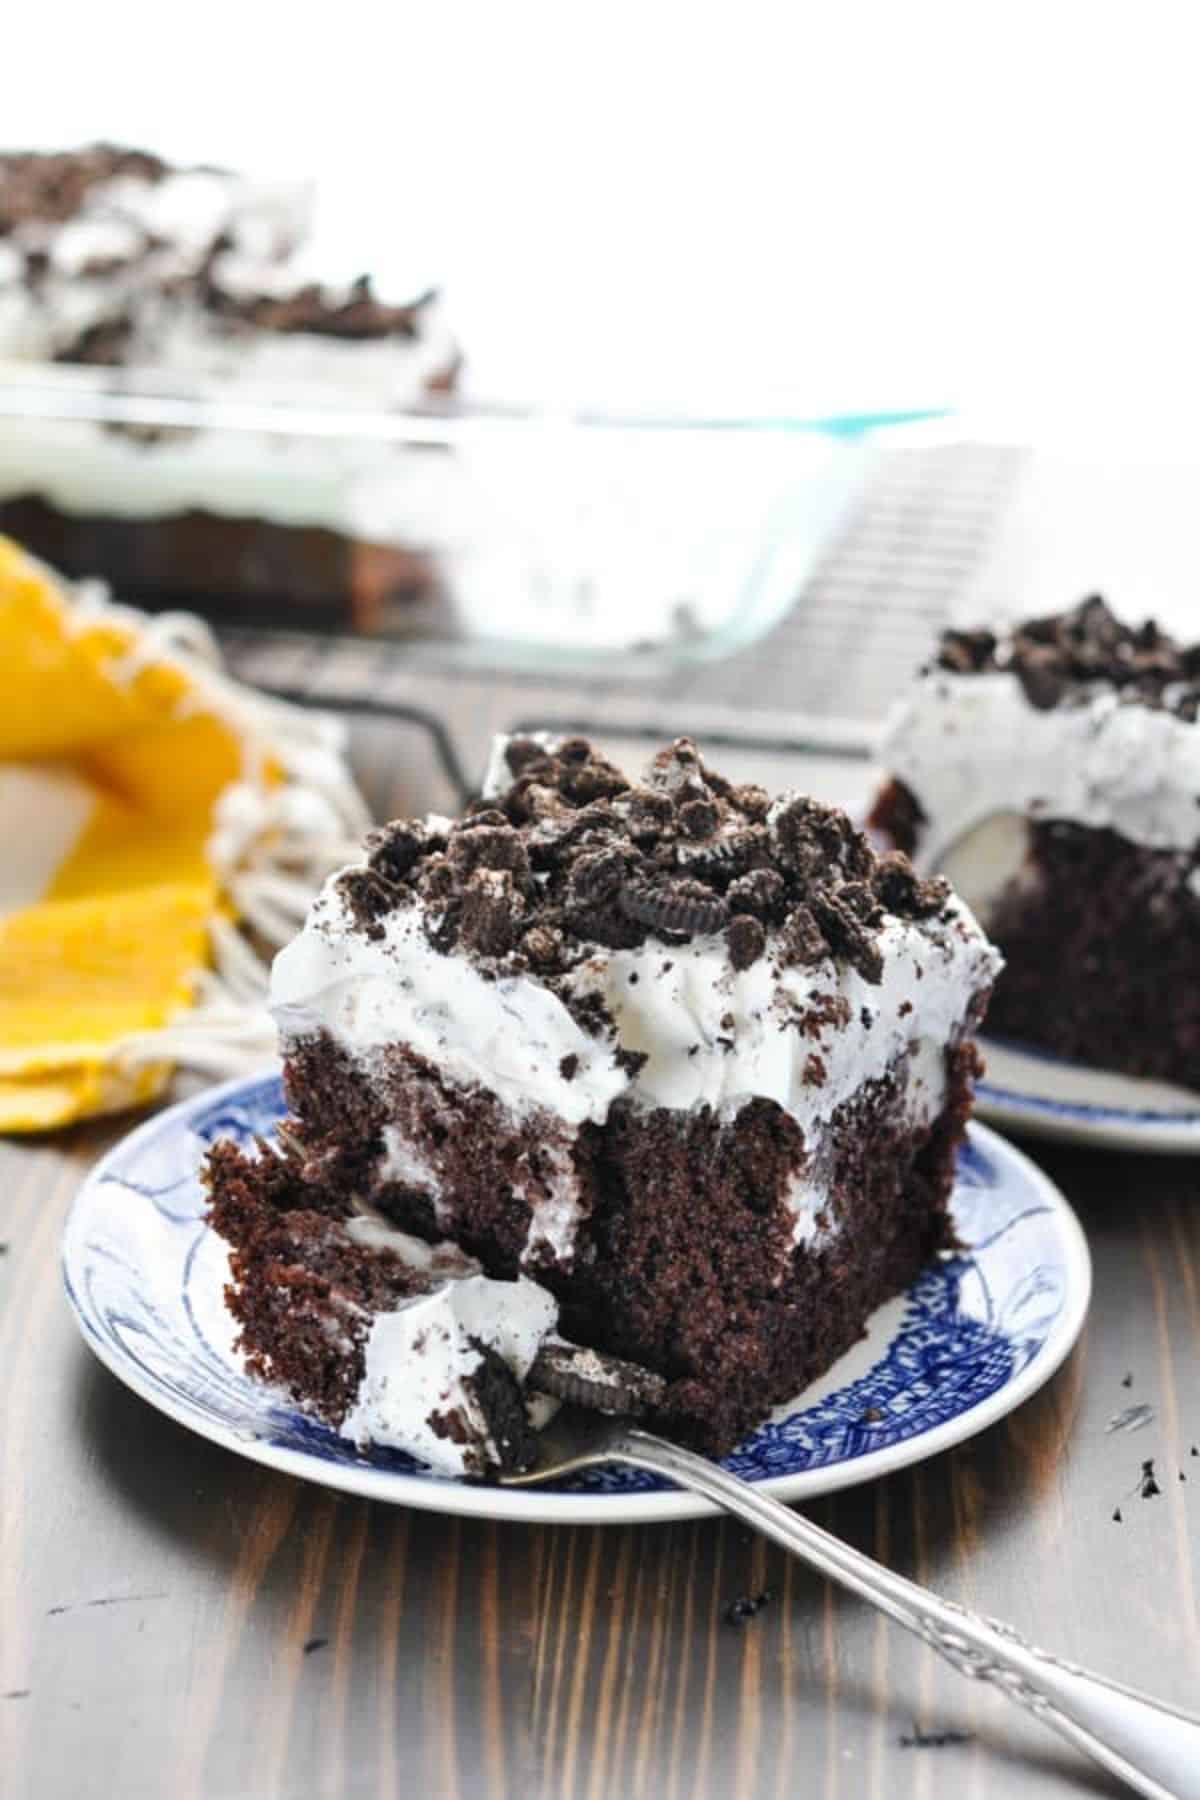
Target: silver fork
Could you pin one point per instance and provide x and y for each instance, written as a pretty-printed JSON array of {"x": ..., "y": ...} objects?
[{"x": 1152, "y": 1747}]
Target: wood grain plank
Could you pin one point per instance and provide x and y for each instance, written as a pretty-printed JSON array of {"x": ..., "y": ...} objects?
[
  {"x": 831, "y": 1784},
  {"x": 442, "y": 1759},
  {"x": 709, "y": 1613},
  {"x": 267, "y": 1528},
  {"x": 353, "y": 1532},
  {"x": 661, "y": 1600},
  {"x": 567, "y": 1544},
  {"x": 392, "y": 1768},
  {"x": 677, "y": 1760},
  {"x": 609, "y": 1720},
  {"x": 1175, "y": 1453},
  {"x": 880, "y": 1645},
  {"x": 582, "y": 1628},
  {"x": 750, "y": 1724},
  {"x": 491, "y": 1602}
]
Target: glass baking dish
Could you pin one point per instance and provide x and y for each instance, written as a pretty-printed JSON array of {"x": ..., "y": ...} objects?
[{"x": 490, "y": 536}]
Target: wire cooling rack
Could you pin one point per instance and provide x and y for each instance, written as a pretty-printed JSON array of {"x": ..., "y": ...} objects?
[{"x": 817, "y": 683}]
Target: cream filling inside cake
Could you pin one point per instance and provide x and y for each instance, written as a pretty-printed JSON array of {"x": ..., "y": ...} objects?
[
  {"x": 420, "y": 1358},
  {"x": 806, "y": 1038}
]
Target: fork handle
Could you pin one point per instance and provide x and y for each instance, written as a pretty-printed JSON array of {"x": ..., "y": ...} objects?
[{"x": 1152, "y": 1747}]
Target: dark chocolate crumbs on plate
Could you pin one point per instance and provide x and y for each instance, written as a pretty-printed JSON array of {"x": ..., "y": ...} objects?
[
  {"x": 745, "y": 1607},
  {"x": 933, "y": 1740},
  {"x": 568, "y": 1068},
  {"x": 1117, "y": 1519},
  {"x": 1148, "y": 1487}
]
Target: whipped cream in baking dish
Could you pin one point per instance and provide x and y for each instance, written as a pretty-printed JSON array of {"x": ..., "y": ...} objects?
[
  {"x": 159, "y": 262},
  {"x": 971, "y": 745},
  {"x": 133, "y": 244}
]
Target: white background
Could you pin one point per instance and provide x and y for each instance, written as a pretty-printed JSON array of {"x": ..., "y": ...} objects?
[{"x": 799, "y": 207}]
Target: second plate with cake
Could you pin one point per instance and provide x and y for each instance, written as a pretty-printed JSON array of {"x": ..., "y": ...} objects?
[{"x": 1052, "y": 772}]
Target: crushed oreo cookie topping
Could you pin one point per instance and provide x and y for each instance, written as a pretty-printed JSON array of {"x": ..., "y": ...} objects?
[
  {"x": 356, "y": 314},
  {"x": 746, "y": 1607},
  {"x": 571, "y": 855},
  {"x": 1060, "y": 656},
  {"x": 51, "y": 185}
]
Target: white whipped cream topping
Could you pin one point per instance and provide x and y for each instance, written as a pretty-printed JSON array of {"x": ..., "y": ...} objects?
[
  {"x": 969, "y": 746},
  {"x": 185, "y": 213},
  {"x": 80, "y": 242},
  {"x": 711, "y": 1035},
  {"x": 718, "y": 1036},
  {"x": 924, "y": 1077},
  {"x": 419, "y": 1358},
  {"x": 509, "y": 1036}
]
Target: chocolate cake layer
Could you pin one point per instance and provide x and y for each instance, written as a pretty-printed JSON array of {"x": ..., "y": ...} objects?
[
  {"x": 382, "y": 1337},
  {"x": 236, "y": 571},
  {"x": 684, "y": 1261},
  {"x": 1102, "y": 946}
]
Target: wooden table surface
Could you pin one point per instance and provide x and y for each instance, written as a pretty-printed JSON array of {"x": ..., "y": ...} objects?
[{"x": 177, "y": 1621}]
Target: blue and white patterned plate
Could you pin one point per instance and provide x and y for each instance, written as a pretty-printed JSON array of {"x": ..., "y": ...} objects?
[
  {"x": 972, "y": 1338},
  {"x": 1030, "y": 1091}
]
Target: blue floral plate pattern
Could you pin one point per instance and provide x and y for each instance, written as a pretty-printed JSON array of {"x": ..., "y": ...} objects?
[{"x": 973, "y": 1337}]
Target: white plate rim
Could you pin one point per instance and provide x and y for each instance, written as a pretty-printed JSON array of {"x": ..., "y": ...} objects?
[
  {"x": 530, "y": 1505},
  {"x": 1101, "y": 1124}
]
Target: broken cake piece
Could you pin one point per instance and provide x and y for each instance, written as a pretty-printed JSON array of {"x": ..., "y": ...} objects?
[{"x": 394, "y": 1341}]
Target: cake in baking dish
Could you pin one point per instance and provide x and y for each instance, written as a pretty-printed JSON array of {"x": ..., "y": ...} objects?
[
  {"x": 114, "y": 257},
  {"x": 693, "y": 1061}
]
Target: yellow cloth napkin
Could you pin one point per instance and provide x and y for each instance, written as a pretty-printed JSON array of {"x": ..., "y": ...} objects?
[{"x": 146, "y": 802}]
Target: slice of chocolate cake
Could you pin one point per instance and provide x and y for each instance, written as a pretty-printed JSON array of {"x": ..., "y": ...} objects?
[
  {"x": 1055, "y": 769},
  {"x": 113, "y": 257},
  {"x": 393, "y": 1341},
  {"x": 695, "y": 1061}
]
